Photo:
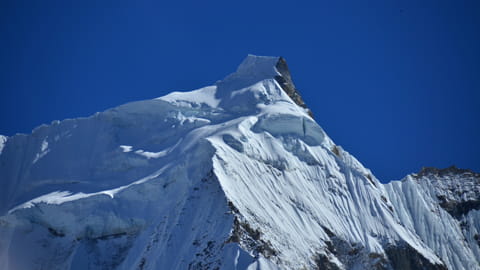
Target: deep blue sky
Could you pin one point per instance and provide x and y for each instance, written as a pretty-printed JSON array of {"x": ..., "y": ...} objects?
[{"x": 396, "y": 83}]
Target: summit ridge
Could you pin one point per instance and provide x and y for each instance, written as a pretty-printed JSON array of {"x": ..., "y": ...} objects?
[{"x": 257, "y": 68}]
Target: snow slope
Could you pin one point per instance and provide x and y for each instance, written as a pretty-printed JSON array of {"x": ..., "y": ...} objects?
[
  {"x": 429, "y": 203},
  {"x": 236, "y": 175}
]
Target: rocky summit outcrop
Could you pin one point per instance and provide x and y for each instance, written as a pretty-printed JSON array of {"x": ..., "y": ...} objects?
[{"x": 285, "y": 81}]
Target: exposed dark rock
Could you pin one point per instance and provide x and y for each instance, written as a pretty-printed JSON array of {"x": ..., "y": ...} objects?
[
  {"x": 233, "y": 207},
  {"x": 331, "y": 247},
  {"x": 452, "y": 170},
  {"x": 322, "y": 262},
  {"x": 285, "y": 81},
  {"x": 328, "y": 232},
  {"x": 476, "y": 237},
  {"x": 205, "y": 258},
  {"x": 245, "y": 235},
  {"x": 458, "y": 209},
  {"x": 403, "y": 256},
  {"x": 457, "y": 189},
  {"x": 55, "y": 232},
  {"x": 142, "y": 263},
  {"x": 383, "y": 199},
  {"x": 351, "y": 255},
  {"x": 336, "y": 151},
  {"x": 370, "y": 179}
]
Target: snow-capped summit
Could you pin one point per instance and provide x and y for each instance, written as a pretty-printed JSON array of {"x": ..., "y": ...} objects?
[
  {"x": 255, "y": 68},
  {"x": 258, "y": 68},
  {"x": 236, "y": 175}
]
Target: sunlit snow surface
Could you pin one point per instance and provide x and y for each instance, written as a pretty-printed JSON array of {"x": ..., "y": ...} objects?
[
  {"x": 3, "y": 140},
  {"x": 167, "y": 183}
]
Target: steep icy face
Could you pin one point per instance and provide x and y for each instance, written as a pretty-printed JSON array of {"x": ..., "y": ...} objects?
[
  {"x": 312, "y": 205},
  {"x": 231, "y": 176},
  {"x": 441, "y": 206},
  {"x": 116, "y": 189}
]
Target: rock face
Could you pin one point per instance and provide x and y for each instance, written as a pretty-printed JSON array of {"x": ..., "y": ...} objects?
[
  {"x": 457, "y": 190},
  {"x": 407, "y": 258},
  {"x": 285, "y": 81},
  {"x": 236, "y": 175}
]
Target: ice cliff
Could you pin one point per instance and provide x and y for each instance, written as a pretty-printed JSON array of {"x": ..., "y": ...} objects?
[{"x": 236, "y": 175}]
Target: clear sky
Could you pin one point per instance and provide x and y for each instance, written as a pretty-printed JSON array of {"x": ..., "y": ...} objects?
[{"x": 396, "y": 83}]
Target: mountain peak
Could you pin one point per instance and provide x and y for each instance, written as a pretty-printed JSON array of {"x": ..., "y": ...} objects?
[
  {"x": 259, "y": 65},
  {"x": 257, "y": 68},
  {"x": 232, "y": 176},
  {"x": 252, "y": 70}
]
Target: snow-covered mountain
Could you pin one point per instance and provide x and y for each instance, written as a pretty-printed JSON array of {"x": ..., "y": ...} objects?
[{"x": 236, "y": 175}]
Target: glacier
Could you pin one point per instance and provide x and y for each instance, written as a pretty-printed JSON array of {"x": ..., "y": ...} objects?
[{"x": 236, "y": 175}]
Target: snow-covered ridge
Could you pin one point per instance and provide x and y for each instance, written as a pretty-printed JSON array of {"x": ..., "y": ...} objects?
[{"x": 236, "y": 175}]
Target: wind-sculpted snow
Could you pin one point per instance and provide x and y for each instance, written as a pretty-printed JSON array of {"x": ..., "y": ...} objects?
[
  {"x": 230, "y": 176},
  {"x": 419, "y": 200},
  {"x": 281, "y": 124},
  {"x": 296, "y": 203}
]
